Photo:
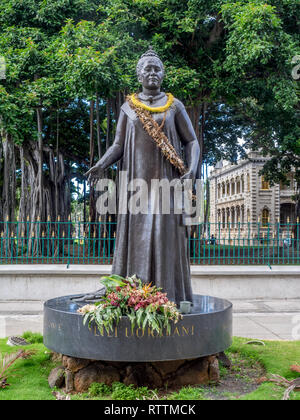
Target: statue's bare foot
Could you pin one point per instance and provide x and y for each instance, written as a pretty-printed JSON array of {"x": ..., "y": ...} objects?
[{"x": 91, "y": 297}]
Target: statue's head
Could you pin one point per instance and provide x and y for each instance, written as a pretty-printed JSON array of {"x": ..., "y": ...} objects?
[{"x": 150, "y": 70}]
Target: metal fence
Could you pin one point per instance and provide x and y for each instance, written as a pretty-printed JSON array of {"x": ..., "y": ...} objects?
[{"x": 69, "y": 242}]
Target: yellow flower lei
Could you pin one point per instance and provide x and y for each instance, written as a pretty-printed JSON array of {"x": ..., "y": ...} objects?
[{"x": 158, "y": 109}]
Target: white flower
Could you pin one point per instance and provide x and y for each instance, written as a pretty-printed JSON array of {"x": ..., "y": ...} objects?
[{"x": 87, "y": 308}]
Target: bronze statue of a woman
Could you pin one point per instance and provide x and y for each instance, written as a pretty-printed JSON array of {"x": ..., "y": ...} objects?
[{"x": 153, "y": 246}]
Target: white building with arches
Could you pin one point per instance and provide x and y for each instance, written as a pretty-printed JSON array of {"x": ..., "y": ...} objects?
[{"x": 241, "y": 200}]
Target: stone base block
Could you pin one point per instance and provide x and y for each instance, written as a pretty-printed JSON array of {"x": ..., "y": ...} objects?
[{"x": 81, "y": 373}]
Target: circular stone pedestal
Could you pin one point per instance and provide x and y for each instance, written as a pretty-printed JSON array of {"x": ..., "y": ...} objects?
[{"x": 206, "y": 331}]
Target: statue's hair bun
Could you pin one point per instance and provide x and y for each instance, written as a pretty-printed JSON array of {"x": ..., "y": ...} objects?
[{"x": 150, "y": 53}]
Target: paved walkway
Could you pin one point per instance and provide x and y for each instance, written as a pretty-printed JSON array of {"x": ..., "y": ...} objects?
[
  {"x": 260, "y": 319},
  {"x": 267, "y": 320}
]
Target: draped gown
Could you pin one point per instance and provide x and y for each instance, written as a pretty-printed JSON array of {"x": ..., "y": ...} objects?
[{"x": 153, "y": 246}]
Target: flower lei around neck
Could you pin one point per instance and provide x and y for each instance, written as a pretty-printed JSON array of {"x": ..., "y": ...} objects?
[
  {"x": 156, "y": 132},
  {"x": 158, "y": 109}
]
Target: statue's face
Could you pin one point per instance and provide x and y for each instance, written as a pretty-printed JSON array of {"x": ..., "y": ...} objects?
[{"x": 151, "y": 74}]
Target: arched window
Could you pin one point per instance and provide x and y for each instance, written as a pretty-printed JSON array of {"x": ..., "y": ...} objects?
[
  {"x": 242, "y": 214},
  {"x": 232, "y": 216},
  {"x": 264, "y": 184},
  {"x": 219, "y": 190},
  {"x": 227, "y": 188},
  {"x": 223, "y": 219},
  {"x": 238, "y": 214},
  {"x": 232, "y": 187},
  {"x": 238, "y": 186},
  {"x": 248, "y": 182},
  {"x": 223, "y": 189},
  {"x": 265, "y": 217},
  {"x": 243, "y": 183}
]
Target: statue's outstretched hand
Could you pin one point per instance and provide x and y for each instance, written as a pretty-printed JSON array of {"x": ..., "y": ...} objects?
[
  {"x": 188, "y": 175},
  {"x": 94, "y": 173}
]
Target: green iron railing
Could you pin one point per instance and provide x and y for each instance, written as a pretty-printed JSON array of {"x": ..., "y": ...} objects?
[{"x": 69, "y": 242}]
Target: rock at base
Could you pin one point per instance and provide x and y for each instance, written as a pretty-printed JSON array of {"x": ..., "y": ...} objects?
[
  {"x": 142, "y": 374},
  {"x": 79, "y": 374},
  {"x": 192, "y": 373},
  {"x": 169, "y": 367},
  {"x": 56, "y": 377},
  {"x": 69, "y": 379},
  {"x": 96, "y": 372},
  {"x": 214, "y": 369},
  {"x": 56, "y": 357},
  {"x": 74, "y": 364},
  {"x": 224, "y": 360}
]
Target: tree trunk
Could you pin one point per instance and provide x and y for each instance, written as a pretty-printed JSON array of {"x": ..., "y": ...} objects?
[
  {"x": 9, "y": 193},
  {"x": 108, "y": 109},
  {"x": 84, "y": 201},
  {"x": 56, "y": 200},
  {"x": 57, "y": 167},
  {"x": 207, "y": 196},
  {"x": 25, "y": 196},
  {"x": 297, "y": 219},
  {"x": 98, "y": 128},
  {"x": 40, "y": 163},
  {"x": 92, "y": 143},
  {"x": 92, "y": 201},
  {"x": 1, "y": 179},
  {"x": 9, "y": 179},
  {"x": 201, "y": 138}
]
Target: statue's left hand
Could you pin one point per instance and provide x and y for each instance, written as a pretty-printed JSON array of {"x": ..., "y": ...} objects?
[
  {"x": 94, "y": 173},
  {"x": 188, "y": 175}
]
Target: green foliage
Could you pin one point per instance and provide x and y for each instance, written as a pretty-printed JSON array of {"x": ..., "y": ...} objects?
[
  {"x": 261, "y": 42},
  {"x": 255, "y": 32},
  {"x": 113, "y": 281},
  {"x": 29, "y": 380},
  {"x": 277, "y": 357},
  {"x": 119, "y": 391},
  {"x": 287, "y": 354},
  {"x": 32, "y": 338},
  {"x": 188, "y": 393},
  {"x": 99, "y": 390},
  {"x": 223, "y": 370},
  {"x": 124, "y": 392}
]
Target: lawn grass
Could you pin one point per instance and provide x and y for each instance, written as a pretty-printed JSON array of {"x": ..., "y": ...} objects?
[
  {"x": 28, "y": 379},
  {"x": 276, "y": 357}
]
